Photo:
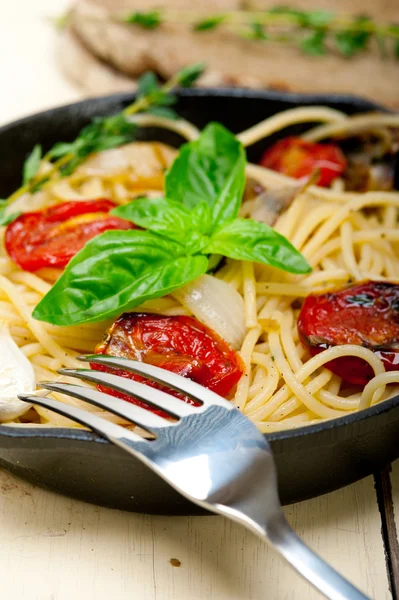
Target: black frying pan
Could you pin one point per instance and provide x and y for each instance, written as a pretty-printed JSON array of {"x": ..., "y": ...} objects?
[{"x": 311, "y": 461}]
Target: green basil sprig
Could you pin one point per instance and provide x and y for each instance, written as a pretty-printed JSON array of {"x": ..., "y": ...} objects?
[
  {"x": 211, "y": 169},
  {"x": 119, "y": 270},
  {"x": 115, "y": 271}
]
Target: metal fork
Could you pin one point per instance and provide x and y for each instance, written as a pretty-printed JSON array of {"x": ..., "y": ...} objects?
[{"x": 212, "y": 454}]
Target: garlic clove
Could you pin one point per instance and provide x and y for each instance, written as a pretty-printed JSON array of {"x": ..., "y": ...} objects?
[
  {"x": 218, "y": 305},
  {"x": 16, "y": 376}
]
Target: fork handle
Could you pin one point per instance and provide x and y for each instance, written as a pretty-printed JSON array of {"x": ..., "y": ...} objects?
[{"x": 309, "y": 564}]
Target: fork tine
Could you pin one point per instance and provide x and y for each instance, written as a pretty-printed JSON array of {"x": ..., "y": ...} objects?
[
  {"x": 148, "y": 394},
  {"x": 176, "y": 382},
  {"x": 136, "y": 414},
  {"x": 105, "y": 428}
]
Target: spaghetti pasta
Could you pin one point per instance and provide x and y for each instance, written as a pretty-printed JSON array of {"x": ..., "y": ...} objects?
[{"x": 345, "y": 236}]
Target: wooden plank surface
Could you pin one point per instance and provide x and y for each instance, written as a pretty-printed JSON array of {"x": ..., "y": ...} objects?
[
  {"x": 391, "y": 519},
  {"x": 55, "y": 548}
]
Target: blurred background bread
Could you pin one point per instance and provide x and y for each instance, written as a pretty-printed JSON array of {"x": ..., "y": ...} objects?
[{"x": 102, "y": 56}]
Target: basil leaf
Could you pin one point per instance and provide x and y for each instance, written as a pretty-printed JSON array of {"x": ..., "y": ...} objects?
[
  {"x": 210, "y": 169},
  {"x": 114, "y": 272},
  {"x": 169, "y": 219},
  {"x": 201, "y": 217},
  {"x": 244, "y": 239},
  {"x": 165, "y": 217},
  {"x": 32, "y": 164}
]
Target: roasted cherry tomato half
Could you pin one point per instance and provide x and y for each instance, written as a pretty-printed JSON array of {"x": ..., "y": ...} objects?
[
  {"x": 366, "y": 314},
  {"x": 297, "y": 158},
  {"x": 179, "y": 344},
  {"x": 51, "y": 237}
]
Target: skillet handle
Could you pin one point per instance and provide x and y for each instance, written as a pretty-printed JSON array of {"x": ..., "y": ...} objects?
[{"x": 308, "y": 564}]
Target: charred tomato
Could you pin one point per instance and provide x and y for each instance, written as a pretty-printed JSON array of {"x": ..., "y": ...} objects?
[
  {"x": 51, "y": 237},
  {"x": 366, "y": 314},
  {"x": 179, "y": 344},
  {"x": 298, "y": 158}
]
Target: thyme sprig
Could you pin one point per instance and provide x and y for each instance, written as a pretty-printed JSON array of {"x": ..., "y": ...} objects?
[
  {"x": 315, "y": 32},
  {"x": 102, "y": 133}
]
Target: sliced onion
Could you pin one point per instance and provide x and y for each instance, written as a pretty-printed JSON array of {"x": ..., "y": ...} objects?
[
  {"x": 216, "y": 304},
  {"x": 16, "y": 376},
  {"x": 141, "y": 159}
]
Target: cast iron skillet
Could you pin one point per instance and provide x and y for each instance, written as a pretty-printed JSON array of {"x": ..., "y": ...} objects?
[{"x": 310, "y": 461}]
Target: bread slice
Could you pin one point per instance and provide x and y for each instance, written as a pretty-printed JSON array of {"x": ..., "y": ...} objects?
[
  {"x": 92, "y": 75},
  {"x": 132, "y": 50}
]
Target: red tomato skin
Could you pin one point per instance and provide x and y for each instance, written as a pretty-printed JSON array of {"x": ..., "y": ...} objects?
[
  {"x": 32, "y": 241},
  {"x": 366, "y": 314},
  {"x": 179, "y": 344},
  {"x": 298, "y": 158}
]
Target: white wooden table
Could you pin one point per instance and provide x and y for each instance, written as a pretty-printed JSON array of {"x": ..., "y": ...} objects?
[{"x": 55, "y": 548}]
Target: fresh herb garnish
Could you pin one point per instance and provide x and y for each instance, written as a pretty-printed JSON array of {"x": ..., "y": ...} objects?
[
  {"x": 5, "y": 219},
  {"x": 31, "y": 164},
  {"x": 207, "y": 24},
  {"x": 245, "y": 239},
  {"x": 303, "y": 18},
  {"x": 151, "y": 92},
  {"x": 351, "y": 41},
  {"x": 119, "y": 270},
  {"x": 256, "y": 31},
  {"x": 104, "y": 133},
  {"x": 170, "y": 219},
  {"x": 310, "y": 30},
  {"x": 315, "y": 18},
  {"x": 315, "y": 44},
  {"x": 210, "y": 169},
  {"x": 148, "y": 20},
  {"x": 187, "y": 76},
  {"x": 101, "y": 134},
  {"x": 361, "y": 300}
]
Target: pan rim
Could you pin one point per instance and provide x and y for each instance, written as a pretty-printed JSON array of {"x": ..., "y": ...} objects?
[
  {"x": 245, "y": 93},
  {"x": 340, "y": 423}
]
